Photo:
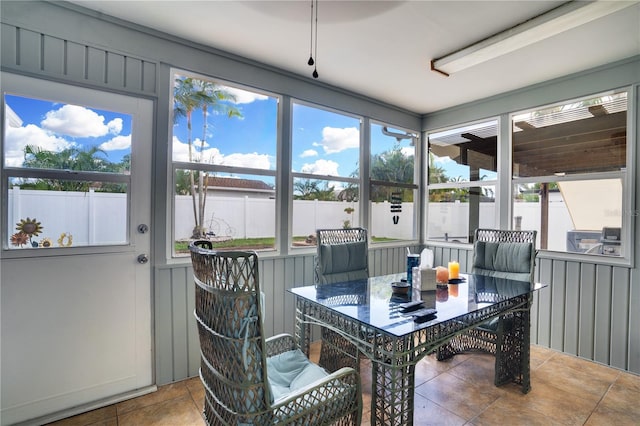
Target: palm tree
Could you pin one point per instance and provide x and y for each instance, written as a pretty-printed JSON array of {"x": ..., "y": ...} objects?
[
  {"x": 395, "y": 167},
  {"x": 72, "y": 159},
  {"x": 311, "y": 190},
  {"x": 192, "y": 94}
]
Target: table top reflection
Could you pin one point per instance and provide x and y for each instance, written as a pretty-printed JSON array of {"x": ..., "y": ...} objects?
[{"x": 373, "y": 302}]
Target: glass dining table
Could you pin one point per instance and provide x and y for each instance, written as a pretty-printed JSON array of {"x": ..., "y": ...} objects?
[{"x": 382, "y": 325}]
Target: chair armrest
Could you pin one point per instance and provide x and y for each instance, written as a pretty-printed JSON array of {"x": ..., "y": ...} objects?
[{"x": 280, "y": 343}]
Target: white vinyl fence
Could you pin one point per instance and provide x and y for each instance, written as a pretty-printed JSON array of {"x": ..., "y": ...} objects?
[
  {"x": 88, "y": 217},
  {"x": 101, "y": 218}
]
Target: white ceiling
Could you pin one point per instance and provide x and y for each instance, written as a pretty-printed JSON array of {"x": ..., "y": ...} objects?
[{"x": 382, "y": 49}]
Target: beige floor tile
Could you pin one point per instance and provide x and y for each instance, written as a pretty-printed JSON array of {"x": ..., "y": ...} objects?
[
  {"x": 478, "y": 369},
  {"x": 576, "y": 376},
  {"x": 539, "y": 355},
  {"x": 628, "y": 381},
  {"x": 454, "y": 394},
  {"x": 510, "y": 411},
  {"x": 101, "y": 416},
  {"x": 428, "y": 413},
  {"x": 429, "y": 367},
  {"x": 178, "y": 411},
  {"x": 196, "y": 390},
  {"x": 164, "y": 393},
  {"x": 620, "y": 406},
  {"x": 555, "y": 403}
]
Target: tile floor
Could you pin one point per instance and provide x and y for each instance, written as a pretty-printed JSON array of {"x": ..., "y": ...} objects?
[{"x": 565, "y": 391}]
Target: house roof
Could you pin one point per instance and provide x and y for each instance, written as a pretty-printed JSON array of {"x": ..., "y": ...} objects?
[{"x": 237, "y": 183}]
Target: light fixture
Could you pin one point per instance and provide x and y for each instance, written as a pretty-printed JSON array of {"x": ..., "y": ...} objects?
[
  {"x": 311, "y": 61},
  {"x": 562, "y": 18}
]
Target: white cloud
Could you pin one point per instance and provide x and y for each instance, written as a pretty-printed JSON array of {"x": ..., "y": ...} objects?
[
  {"x": 309, "y": 153},
  {"x": 338, "y": 139},
  {"x": 254, "y": 160},
  {"x": 115, "y": 126},
  {"x": 16, "y": 138},
  {"x": 117, "y": 143},
  {"x": 321, "y": 167},
  {"x": 408, "y": 151},
  {"x": 213, "y": 156},
  {"x": 244, "y": 97},
  {"x": 75, "y": 120}
]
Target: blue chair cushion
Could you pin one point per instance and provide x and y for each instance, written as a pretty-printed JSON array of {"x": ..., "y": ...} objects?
[
  {"x": 503, "y": 260},
  {"x": 343, "y": 262},
  {"x": 290, "y": 371}
]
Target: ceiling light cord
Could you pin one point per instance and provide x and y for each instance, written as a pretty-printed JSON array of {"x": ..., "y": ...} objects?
[
  {"x": 312, "y": 53},
  {"x": 310, "y": 61}
]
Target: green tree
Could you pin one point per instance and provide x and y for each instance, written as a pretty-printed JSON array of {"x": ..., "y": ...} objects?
[
  {"x": 189, "y": 95},
  {"x": 392, "y": 166},
  {"x": 308, "y": 189},
  {"x": 437, "y": 174},
  {"x": 92, "y": 159}
]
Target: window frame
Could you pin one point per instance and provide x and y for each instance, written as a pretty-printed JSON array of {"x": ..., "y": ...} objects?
[
  {"x": 625, "y": 175},
  {"x": 68, "y": 93},
  {"x": 496, "y": 183},
  {"x": 415, "y": 186},
  {"x": 293, "y": 175},
  {"x": 173, "y": 166}
]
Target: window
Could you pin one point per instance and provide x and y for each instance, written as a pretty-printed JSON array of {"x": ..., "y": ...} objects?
[
  {"x": 224, "y": 164},
  {"x": 462, "y": 178},
  {"x": 325, "y": 170},
  {"x": 66, "y": 170},
  {"x": 569, "y": 174},
  {"x": 393, "y": 184}
]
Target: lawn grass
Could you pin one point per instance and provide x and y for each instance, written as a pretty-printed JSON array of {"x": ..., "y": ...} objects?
[{"x": 253, "y": 243}]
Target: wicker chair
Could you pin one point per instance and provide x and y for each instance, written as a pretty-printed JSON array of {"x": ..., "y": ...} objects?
[
  {"x": 498, "y": 254},
  {"x": 250, "y": 380},
  {"x": 342, "y": 255}
]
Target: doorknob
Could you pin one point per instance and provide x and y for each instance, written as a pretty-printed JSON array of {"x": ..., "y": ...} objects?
[
  {"x": 143, "y": 258},
  {"x": 143, "y": 228}
]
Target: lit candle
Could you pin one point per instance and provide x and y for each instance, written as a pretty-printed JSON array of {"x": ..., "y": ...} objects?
[
  {"x": 454, "y": 270},
  {"x": 442, "y": 274}
]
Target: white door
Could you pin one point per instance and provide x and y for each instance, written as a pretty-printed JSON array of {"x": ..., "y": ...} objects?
[{"x": 75, "y": 316}]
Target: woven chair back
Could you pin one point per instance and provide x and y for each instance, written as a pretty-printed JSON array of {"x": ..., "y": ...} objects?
[
  {"x": 509, "y": 236},
  {"x": 228, "y": 315},
  {"x": 341, "y": 235}
]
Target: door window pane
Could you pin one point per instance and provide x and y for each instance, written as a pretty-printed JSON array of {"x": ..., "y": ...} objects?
[
  {"x": 46, "y": 142},
  {"x": 71, "y": 213},
  {"x": 41, "y": 134}
]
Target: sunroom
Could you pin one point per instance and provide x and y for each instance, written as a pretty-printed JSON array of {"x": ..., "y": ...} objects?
[{"x": 97, "y": 293}]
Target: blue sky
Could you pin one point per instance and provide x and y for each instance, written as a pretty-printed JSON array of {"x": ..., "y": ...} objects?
[
  {"x": 324, "y": 142},
  {"x": 54, "y": 127}
]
